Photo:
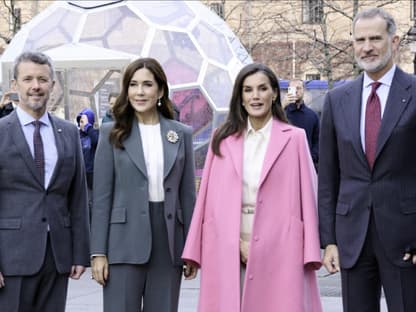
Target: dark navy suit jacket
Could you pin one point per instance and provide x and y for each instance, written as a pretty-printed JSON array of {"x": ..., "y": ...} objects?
[{"x": 348, "y": 190}]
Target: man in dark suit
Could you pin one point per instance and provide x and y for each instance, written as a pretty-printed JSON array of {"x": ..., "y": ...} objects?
[
  {"x": 302, "y": 116},
  {"x": 8, "y": 103},
  {"x": 367, "y": 174},
  {"x": 44, "y": 236}
]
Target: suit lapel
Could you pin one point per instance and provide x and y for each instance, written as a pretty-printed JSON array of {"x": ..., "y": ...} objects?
[
  {"x": 134, "y": 148},
  {"x": 60, "y": 147},
  {"x": 22, "y": 146},
  {"x": 279, "y": 137},
  {"x": 351, "y": 106},
  {"x": 170, "y": 148},
  {"x": 397, "y": 100}
]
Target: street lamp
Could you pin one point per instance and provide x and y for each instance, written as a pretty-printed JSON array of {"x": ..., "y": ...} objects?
[{"x": 411, "y": 36}]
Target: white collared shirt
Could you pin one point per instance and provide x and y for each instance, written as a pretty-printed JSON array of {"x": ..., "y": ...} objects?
[
  {"x": 48, "y": 140},
  {"x": 255, "y": 146},
  {"x": 382, "y": 92},
  {"x": 153, "y": 156}
]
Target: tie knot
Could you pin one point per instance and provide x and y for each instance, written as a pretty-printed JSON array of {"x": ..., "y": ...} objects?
[
  {"x": 37, "y": 123},
  {"x": 375, "y": 85}
]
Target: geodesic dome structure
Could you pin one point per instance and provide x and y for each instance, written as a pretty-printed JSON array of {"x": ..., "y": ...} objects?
[{"x": 91, "y": 41}]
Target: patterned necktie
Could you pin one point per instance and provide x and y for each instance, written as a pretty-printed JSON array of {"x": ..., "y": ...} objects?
[
  {"x": 372, "y": 124},
  {"x": 38, "y": 150}
]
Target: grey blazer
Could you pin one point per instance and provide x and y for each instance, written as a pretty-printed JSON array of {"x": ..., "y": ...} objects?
[
  {"x": 27, "y": 208},
  {"x": 120, "y": 225},
  {"x": 348, "y": 190}
]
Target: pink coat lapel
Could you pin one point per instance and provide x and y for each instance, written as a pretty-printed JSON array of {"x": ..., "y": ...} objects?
[
  {"x": 278, "y": 139},
  {"x": 235, "y": 144}
]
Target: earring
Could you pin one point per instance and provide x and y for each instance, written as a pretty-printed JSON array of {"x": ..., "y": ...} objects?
[{"x": 159, "y": 103}]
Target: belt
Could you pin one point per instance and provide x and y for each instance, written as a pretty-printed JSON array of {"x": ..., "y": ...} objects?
[{"x": 246, "y": 210}]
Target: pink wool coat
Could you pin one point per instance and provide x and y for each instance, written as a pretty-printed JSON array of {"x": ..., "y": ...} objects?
[{"x": 284, "y": 248}]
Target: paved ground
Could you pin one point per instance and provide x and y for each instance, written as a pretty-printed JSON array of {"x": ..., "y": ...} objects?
[{"x": 85, "y": 295}]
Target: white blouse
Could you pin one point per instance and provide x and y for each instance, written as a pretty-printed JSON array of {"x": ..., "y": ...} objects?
[
  {"x": 153, "y": 156},
  {"x": 255, "y": 146}
]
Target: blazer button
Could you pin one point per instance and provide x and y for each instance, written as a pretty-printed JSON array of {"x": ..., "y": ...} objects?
[
  {"x": 43, "y": 219},
  {"x": 169, "y": 216},
  {"x": 168, "y": 189}
]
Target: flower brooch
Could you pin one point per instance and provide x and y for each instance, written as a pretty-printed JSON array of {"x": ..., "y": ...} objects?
[{"x": 172, "y": 136}]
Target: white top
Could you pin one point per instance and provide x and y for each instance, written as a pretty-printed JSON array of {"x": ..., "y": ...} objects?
[
  {"x": 255, "y": 146},
  {"x": 382, "y": 92},
  {"x": 153, "y": 156}
]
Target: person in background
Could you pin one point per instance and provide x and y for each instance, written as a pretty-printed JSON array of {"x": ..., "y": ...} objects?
[
  {"x": 302, "y": 116},
  {"x": 44, "y": 231},
  {"x": 112, "y": 97},
  {"x": 367, "y": 174},
  {"x": 255, "y": 226},
  {"x": 144, "y": 195},
  {"x": 8, "y": 103},
  {"x": 89, "y": 140}
]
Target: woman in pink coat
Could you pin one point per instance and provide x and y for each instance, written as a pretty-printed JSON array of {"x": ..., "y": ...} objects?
[{"x": 254, "y": 232}]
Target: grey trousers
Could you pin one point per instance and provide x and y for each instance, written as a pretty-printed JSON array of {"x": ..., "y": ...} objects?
[
  {"x": 44, "y": 291},
  {"x": 150, "y": 287}
]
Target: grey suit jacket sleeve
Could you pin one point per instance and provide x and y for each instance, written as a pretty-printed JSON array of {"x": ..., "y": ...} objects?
[
  {"x": 187, "y": 187},
  {"x": 102, "y": 192}
]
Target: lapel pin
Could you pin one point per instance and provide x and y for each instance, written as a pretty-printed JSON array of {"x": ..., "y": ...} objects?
[
  {"x": 172, "y": 136},
  {"x": 59, "y": 130}
]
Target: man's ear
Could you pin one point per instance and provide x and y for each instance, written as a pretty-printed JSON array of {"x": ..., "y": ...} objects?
[{"x": 395, "y": 42}]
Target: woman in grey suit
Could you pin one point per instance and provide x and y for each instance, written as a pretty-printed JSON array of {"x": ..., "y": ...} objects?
[{"x": 144, "y": 193}]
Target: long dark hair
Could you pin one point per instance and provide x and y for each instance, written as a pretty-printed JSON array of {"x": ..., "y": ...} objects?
[
  {"x": 123, "y": 112},
  {"x": 236, "y": 120}
]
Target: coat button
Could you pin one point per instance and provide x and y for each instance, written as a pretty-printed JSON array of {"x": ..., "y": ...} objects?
[
  {"x": 256, "y": 238},
  {"x": 168, "y": 189},
  {"x": 43, "y": 219},
  {"x": 169, "y": 216},
  {"x": 250, "y": 277}
]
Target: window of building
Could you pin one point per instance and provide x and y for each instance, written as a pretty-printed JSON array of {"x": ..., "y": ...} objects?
[
  {"x": 313, "y": 11},
  {"x": 218, "y": 7},
  {"x": 312, "y": 77}
]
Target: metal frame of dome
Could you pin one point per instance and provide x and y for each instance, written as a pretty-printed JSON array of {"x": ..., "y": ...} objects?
[{"x": 95, "y": 40}]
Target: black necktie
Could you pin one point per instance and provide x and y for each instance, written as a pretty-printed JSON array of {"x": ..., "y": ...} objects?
[{"x": 38, "y": 150}]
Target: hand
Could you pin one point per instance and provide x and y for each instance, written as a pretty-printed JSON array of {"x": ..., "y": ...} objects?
[
  {"x": 5, "y": 98},
  {"x": 244, "y": 247},
  {"x": 331, "y": 259},
  {"x": 410, "y": 254},
  {"x": 76, "y": 271},
  {"x": 83, "y": 121},
  {"x": 190, "y": 270},
  {"x": 288, "y": 99},
  {"x": 99, "y": 269},
  {"x": 2, "y": 284}
]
